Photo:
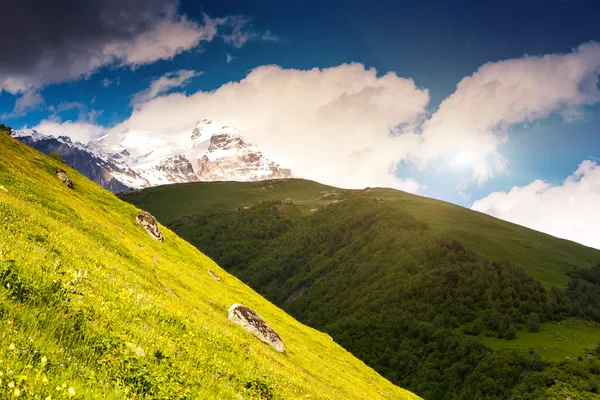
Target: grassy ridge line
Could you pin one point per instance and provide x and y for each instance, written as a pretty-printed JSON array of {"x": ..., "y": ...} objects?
[
  {"x": 156, "y": 296},
  {"x": 542, "y": 256}
]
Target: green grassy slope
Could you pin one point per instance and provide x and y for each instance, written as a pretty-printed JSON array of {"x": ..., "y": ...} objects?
[
  {"x": 372, "y": 271},
  {"x": 92, "y": 307},
  {"x": 544, "y": 257}
]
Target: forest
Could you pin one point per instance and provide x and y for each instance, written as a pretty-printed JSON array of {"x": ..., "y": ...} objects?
[{"x": 410, "y": 305}]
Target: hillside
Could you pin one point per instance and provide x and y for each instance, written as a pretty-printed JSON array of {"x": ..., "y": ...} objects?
[
  {"x": 93, "y": 307},
  {"x": 544, "y": 257},
  {"x": 448, "y": 302}
]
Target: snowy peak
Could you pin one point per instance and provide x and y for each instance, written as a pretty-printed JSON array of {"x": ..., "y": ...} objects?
[
  {"x": 223, "y": 141},
  {"x": 125, "y": 159},
  {"x": 206, "y": 129},
  {"x": 230, "y": 158}
]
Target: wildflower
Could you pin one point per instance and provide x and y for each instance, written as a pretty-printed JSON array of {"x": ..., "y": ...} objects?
[
  {"x": 12, "y": 346},
  {"x": 44, "y": 380},
  {"x": 11, "y": 385},
  {"x": 71, "y": 392},
  {"x": 49, "y": 398},
  {"x": 44, "y": 360},
  {"x": 17, "y": 393}
]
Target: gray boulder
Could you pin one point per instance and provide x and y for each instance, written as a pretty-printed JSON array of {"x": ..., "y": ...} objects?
[
  {"x": 254, "y": 324},
  {"x": 148, "y": 222},
  {"x": 64, "y": 178}
]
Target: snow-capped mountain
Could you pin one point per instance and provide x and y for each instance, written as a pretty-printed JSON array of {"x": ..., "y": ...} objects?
[{"x": 125, "y": 160}]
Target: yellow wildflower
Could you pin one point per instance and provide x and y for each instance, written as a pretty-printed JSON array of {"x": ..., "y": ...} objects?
[
  {"x": 17, "y": 393},
  {"x": 44, "y": 380},
  {"x": 44, "y": 360},
  {"x": 11, "y": 385},
  {"x": 12, "y": 346},
  {"x": 71, "y": 392}
]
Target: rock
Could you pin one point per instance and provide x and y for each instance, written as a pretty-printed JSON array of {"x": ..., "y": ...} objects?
[
  {"x": 64, "y": 178},
  {"x": 217, "y": 277},
  {"x": 254, "y": 324},
  {"x": 148, "y": 222}
]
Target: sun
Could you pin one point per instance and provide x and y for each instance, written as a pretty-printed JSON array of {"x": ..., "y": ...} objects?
[{"x": 464, "y": 157}]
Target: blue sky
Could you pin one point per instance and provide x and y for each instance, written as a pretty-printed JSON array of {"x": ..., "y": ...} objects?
[{"x": 435, "y": 43}]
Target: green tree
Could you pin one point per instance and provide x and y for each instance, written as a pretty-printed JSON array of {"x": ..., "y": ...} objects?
[{"x": 533, "y": 322}]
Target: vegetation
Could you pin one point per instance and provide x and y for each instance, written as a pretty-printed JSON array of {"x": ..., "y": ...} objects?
[
  {"x": 92, "y": 307},
  {"x": 5, "y": 129},
  {"x": 543, "y": 257},
  {"x": 365, "y": 267},
  {"x": 57, "y": 156}
]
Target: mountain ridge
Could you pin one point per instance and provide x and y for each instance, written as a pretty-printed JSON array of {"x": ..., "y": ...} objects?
[{"x": 122, "y": 161}]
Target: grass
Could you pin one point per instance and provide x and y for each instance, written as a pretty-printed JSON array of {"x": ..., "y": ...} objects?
[
  {"x": 555, "y": 341},
  {"x": 92, "y": 307},
  {"x": 544, "y": 257}
]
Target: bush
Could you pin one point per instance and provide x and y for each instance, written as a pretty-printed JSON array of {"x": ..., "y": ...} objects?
[
  {"x": 57, "y": 156},
  {"x": 533, "y": 322},
  {"x": 5, "y": 129}
]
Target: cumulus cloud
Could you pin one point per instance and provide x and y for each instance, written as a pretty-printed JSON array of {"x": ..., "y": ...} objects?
[
  {"x": 350, "y": 126},
  {"x": 334, "y": 125},
  {"x": 165, "y": 83},
  {"x": 569, "y": 210},
  {"x": 78, "y": 131},
  {"x": 476, "y": 118},
  {"x": 37, "y": 49}
]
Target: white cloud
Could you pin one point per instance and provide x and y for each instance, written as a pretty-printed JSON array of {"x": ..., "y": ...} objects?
[
  {"x": 239, "y": 31},
  {"x": 476, "y": 118},
  {"x": 30, "y": 100},
  {"x": 569, "y": 210},
  {"x": 78, "y": 131},
  {"x": 169, "y": 37},
  {"x": 165, "y": 83},
  {"x": 106, "y": 82},
  {"x": 332, "y": 125},
  {"x": 229, "y": 58}
]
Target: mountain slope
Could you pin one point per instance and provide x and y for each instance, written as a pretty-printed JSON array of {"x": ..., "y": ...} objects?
[
  {"x": 91, "y": 306},
  {"x": 409, "y": 285},
  {"x": 125, "y": 160},
  {"x": 544, "y": 257}
]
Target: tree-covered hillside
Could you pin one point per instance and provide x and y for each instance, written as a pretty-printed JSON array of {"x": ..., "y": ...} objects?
[
  {"x": 93, "y": 307},
  {"x": 384, "y": 274}
]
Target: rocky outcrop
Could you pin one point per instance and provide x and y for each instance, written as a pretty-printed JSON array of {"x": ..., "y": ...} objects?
[
  {"x": 230, "y": 158},
  {"x": 64, "y": 178},
  {"x": 211, "y": 273},
  {"x": 254, "y": 324},
  {"x": 177, "y": 169},
  {"x": 148, "y": 222}
]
